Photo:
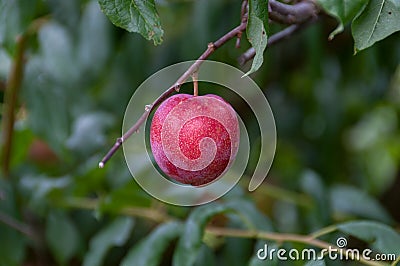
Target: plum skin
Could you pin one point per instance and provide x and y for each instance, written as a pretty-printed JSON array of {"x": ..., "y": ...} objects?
[{"x": 194, "y": 139}]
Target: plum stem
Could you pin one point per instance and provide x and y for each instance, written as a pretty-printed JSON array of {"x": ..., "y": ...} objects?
[{"x": 195, "y": 83}]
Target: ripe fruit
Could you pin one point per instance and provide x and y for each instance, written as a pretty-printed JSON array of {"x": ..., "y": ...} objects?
[{"x": 194, "y": 139}]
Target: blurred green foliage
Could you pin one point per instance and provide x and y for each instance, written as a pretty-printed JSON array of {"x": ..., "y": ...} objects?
[{"x": 337, "y": 157}]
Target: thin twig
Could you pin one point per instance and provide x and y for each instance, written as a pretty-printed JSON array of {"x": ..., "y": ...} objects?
[
  {"x": 17, "y": 225},
  {"x": 243, "y": 16},
  {"x": 210, "y": 49},
  {"x": 292, "y": 14},
  {"x": 10, "y": 102},
  {"x": 274, "y": 39},
  {"x": 396, "y": 261},
  {"x": 141, "y": 212}
]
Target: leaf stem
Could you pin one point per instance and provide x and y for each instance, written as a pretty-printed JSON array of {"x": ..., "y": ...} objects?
[{"x": 324, "y": 231}]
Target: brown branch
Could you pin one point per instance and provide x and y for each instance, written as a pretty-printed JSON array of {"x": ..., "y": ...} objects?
[
  {"x": 210, "y": 49},
  {"x": 10, "y": 102},
  {"x": 11, "y": 89},
  {"x": 292, "y": 14},
  {"x": 17, "y": 225},
  {"x": 141, "y": 212},
  {"x": 243, "y": 16}
]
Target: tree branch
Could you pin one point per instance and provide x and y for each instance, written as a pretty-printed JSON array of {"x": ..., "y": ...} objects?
[
  {"x": 292, "y": 14},
  {"x": 10, "y": 101},
  {"x": 17, "y": 225},
  {"x": 243, "y": 19},
  {"x": 210, "y": 49},
  {"x": 141, "y": 212},
  {"x": 11, "y": 89},
  {"x": 160, "y": 217}
]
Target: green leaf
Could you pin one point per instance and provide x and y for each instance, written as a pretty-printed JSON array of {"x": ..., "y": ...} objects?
[
  {"x": 19, "y": 14},
  {"x": 115, "y": 234},
  {"x": 150, "y": 250},
  {"x": 312, "y": 185},
  {"x": 250, "y": 215},
  {"x": 190, "y": 243},
  {"x": 246, "y": 215},
  {"x": 206, "y": 256},
  {"x": 379, "y": 236},
  {"x": 237, "y": 251},
  {"x": 22, "y": 139},
  {"x": 39, "y": 188},
  {"x": 135, "y": 16},
  {"x": 345, "y": 11},
  {"x": 268, "y": 261},
  {"x": 88, "y": 132},
  {"x": 94, "y": 31},
  {"x": 349, "y": 200},
  {"x": 379, "y": 19},
  {"x": 48, "y": 77},
  {"x": 123, "y": 197},
  {"x": 62, "y": 237},
  {"x": 257, "y": 31}
]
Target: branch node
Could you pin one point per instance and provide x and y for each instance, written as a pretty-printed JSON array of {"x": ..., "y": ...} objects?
[
  {"x": 211, "y": 46},
  {"x": 177, "y": 87},
  {"x": 239, "y": 37}
]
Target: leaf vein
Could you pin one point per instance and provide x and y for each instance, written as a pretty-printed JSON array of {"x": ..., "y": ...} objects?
[{"x": 376, "y": 21}]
